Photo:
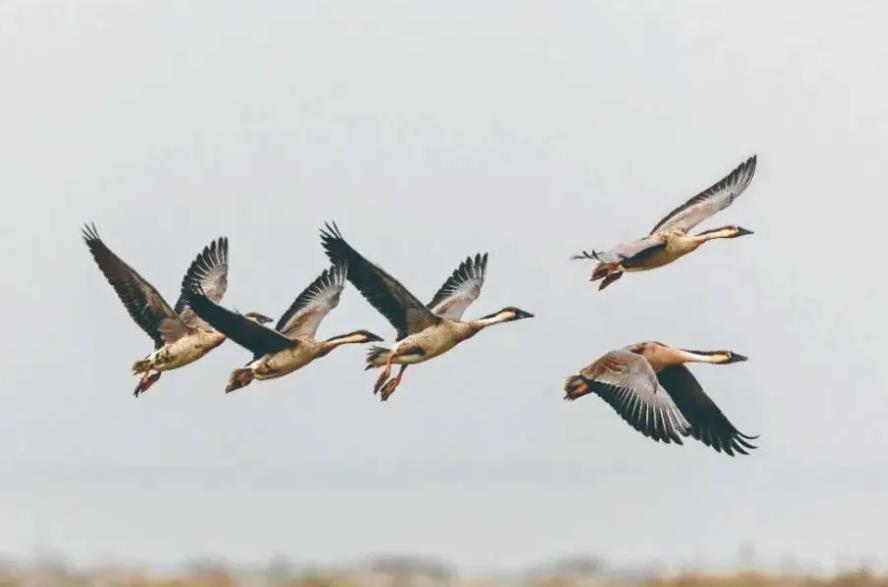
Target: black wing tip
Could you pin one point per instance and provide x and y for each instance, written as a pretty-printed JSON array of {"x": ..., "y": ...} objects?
[
  {"x": 744, "y": 172},
  {"x": 90, "y": 233},
  {"x": 481, "y": 261},
  {"x": 218, "y": 247},
  {"x": 333, "y": 242},
  {"x": 476, "y": 263},
  {"x": 736, "y": 442},
  {"x": 331, "y": 232}
]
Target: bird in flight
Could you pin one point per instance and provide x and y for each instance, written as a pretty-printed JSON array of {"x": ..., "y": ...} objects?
[
  {"x": 650, "y": 387},
  {"x": 291, "y": 345},
  {"x": 424, "y": 331},
  {"x": 180, "y": 337},
  {"x": 669, "y": 240}
]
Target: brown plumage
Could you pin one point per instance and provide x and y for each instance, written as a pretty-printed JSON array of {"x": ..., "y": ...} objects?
[
  {"x": 669, "y": 240},
  {"x": 179, "y": 336},
  {"x": 650, "y": 387}
]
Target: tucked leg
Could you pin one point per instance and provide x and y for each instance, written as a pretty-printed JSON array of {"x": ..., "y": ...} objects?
[
  {"x": 145, "y": 382},
  {"x": 610, "y": 279},
  {"x": 393, "y": 384}
]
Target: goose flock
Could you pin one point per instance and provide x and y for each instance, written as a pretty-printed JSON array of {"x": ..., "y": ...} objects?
[{"x": 646, "y": 383}]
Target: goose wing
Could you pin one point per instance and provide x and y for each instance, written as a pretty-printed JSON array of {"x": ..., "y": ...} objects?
[
  {"x": 208, "y": 273},
  {"x": 461, "y": 289},
  {"x": 147, "y": 307},
  {"x": 711, "y": 200},
  {"x": 627, "y": 382},
  {"x": 708, "y": 424},
  {"x": 625, "y": 251},
  {"x": 314, "y": 303},
  {"x": 245, "y": 332},
  {"x": 394, "y": 301}
]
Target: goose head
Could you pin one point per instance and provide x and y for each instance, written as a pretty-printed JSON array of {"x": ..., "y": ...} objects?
[
  {"x": 511, "y": 313},
  {"x": 739, "y": 231},
  {"x": 363, "y": 336},
  {"x": 719, "y": 357}
]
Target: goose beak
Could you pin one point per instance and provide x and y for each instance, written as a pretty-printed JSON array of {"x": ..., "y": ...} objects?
[
  {"x": 735, "y": 358},
  {"x": 372, "y": 337},
  {"x": 743, "y": 231},
  {"x": 521, "y": 314}
]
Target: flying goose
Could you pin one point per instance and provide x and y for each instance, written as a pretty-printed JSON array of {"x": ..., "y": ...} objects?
[
  {"x": 648, "y": 384},
  {"x": 179, "y": 336},
  {"x": 424, "y": 331},
  {"x": 292, "y": 344},
  {"x": 669, "y": 239}
]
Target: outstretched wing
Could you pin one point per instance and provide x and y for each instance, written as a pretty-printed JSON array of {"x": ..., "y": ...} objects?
[
  {"x": 713, "y": 199},
  {"x": 708, "y": 424},
  {"x": 144, "y": 304},
  {"x": 461, "y": 289},
  {"x": 208, "y": 273},
  {"x": 314, "y": 303},
  {"x": 245, "y": 332},
  {"x": 627, "y": 382},
  {"x": 394, "y": 301}
]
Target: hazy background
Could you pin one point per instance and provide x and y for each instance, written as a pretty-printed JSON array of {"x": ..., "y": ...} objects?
[{"x": 430, "y": 131}]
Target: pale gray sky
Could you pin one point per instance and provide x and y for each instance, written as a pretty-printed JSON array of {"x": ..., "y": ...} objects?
[{"x": 430, "y": 131}]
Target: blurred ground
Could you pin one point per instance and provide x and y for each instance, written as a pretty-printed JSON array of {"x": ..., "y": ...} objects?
[{"x": 404, "y": 573}]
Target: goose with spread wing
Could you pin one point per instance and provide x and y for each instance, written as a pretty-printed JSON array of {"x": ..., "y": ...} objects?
[
  {"x": 292, "y": 344},
  {"x": 180, "y": 337},
  {"x": 669, "y": 239},
  {"x": 424, "y": 331},
  {"x": 648, "y": 384}
]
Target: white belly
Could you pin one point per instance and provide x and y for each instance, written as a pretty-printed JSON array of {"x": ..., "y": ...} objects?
[
  {"x": 281, "y": 363},
  {"x": 185, "y": 350},
  {"x": 434, "y": 341}
]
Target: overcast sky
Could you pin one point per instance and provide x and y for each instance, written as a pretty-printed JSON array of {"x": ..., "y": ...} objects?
[{"x": 430, "y": 131}]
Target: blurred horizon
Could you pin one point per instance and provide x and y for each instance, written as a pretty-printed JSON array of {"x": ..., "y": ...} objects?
[{"x": 406, "y": 571}]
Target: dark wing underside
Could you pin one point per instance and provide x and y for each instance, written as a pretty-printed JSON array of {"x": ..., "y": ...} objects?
[
  {"x": 245, "y": 332},
  {"x": 642, "y": 256},
  {"x": 144, "y": 304},
  {"x": 394, "y": 301},
  {"x": 708, "y": 424}
]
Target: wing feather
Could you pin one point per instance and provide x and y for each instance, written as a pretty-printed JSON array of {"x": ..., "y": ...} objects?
[
  {"x": 461, "y": 289},
  {"x": 207, "y": 273},
  {"x": 314, "y": 303},
  {"x": 626, "y": 381},
  {"x": 391, "y": 299},
  {"x": 708, "y": 424},
  {"x": 145, "y": 305},
  {"x": 711, "y": 200},
  {"x": 245, "y": 332}
]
